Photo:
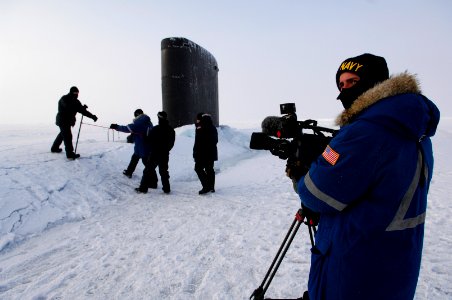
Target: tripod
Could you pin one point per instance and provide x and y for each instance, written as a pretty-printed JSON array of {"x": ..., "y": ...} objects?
[{"x": 303, "y": 215}]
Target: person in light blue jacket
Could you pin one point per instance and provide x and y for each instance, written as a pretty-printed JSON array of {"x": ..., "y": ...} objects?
[
  {"x": 370, "y": 186},
  {"x": 139, "y": 128}
]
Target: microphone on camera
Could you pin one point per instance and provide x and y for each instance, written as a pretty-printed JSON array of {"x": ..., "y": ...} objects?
[
  {"x": 271, "y": 125},
  {"x": 281, "y": 127}
]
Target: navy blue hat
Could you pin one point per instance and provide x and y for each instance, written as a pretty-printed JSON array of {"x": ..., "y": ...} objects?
[{"x": 73, "y": 90}]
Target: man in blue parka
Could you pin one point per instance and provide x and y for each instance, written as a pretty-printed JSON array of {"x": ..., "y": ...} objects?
[
  {"x": 370, "y": 186},
  {"x": 139, "y": 128}
]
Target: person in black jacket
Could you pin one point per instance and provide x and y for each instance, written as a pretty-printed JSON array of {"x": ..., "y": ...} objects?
[
  {"x": 68, "y": 107},
  {"x": 205, "y": 152},
  {"x": 161, "y": 139}
]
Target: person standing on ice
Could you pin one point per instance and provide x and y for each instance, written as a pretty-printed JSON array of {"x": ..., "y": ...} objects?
[
  {"x": 68, "y": 107},
  {"x": 205, "y": 152},
  {"x": 161, "y": 138},
  {"x": 139, "y": 128},
  {"x": 370, "y": 186}
]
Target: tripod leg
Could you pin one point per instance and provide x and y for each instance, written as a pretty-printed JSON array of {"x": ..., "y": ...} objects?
[
  {"x": 282, "y": 256},
  {"x": 310, "y": 234},
  {"x": 259, "y": 293}
]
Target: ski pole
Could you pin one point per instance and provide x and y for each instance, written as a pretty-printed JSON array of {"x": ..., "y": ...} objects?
[
  {"x": 259, "y": 293},
  {"x": 78, "y": 135}
]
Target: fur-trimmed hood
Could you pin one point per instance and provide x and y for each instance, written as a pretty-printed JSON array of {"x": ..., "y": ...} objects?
[
  {"x": 396, "y": 84},
  {"x": 396, "y": 104}
]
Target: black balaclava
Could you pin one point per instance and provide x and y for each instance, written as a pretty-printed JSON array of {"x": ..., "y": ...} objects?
[
  {"x": 138, "y": 112},
  {"x": 371, "y": 70},
  {"x": 73, "y": 92}
]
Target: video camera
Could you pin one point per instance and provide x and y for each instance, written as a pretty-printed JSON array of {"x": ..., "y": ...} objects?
[{"x": 284, "y": 137}]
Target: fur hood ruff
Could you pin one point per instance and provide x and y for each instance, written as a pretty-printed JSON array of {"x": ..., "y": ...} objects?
[{"x": 397, "y": 84}]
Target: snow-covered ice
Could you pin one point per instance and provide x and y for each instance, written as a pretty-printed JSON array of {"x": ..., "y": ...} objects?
[{"x": 77, "y": 230}]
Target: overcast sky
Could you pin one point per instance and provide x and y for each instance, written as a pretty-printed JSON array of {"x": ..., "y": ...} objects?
[{"x": 268, "y": 52}]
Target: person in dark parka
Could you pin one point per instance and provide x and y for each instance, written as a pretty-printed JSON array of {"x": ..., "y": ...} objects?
[
  {"x": 161, "y": 139},
  {"x": 68, "y": 107},
  {"x": 205, "y": 152},
  {"x": 138, "y": 129}
]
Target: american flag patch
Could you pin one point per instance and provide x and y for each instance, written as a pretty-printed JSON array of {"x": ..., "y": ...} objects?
[{"x": 330, "y": 155}]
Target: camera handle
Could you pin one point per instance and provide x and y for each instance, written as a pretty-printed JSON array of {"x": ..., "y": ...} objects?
[{"x": 259, "y": 293}]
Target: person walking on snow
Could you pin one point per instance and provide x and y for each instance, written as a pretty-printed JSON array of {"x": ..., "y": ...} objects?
[
  {"x": 139, "y": 128},
  {"x": 68, "y": 107},
  {"x": 161, "y": 138}
]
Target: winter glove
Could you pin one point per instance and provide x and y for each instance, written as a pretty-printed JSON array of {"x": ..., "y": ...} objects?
[
  {"x": 94, "y": 118},
  {"x": 114, "y": 126},
  {"x": 295, "y": 169}
]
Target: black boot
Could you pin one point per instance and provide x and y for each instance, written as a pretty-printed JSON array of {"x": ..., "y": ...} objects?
[
  {"x": 72, "y": 155},
  {"x": 128, "y": 174},
  {"x": 204, "y": 191},
  {"x": 57, "y": 150},
  {"x": 141, "y": 190}
]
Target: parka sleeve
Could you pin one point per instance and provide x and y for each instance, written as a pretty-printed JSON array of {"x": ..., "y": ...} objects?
[
  {"x": 82, "y": 109},
  {"x": 343, "y": 173},
  {"x": 125, "y": 129}
]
